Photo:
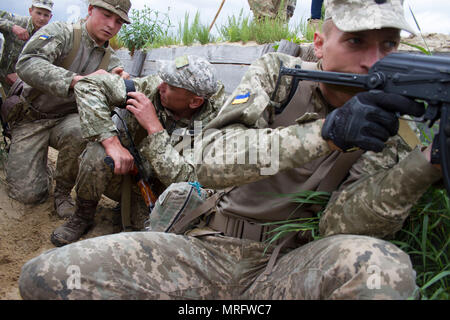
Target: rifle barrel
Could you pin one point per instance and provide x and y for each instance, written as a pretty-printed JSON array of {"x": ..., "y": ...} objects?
[{"x": 339, "y": 78}]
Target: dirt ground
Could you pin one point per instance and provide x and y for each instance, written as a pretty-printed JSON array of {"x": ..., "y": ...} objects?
[
  {"x": 25, "y": 232},
  {"x": 436, "y": 42}
]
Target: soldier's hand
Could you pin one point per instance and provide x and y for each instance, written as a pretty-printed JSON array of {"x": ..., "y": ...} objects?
[
  {"x": 144, "y": 111},
  {"x": 20, "y": 32},
  {"x": 11, "y": 78},
  {"x": 361, "y": 123},
  {"x": 77, "y": 77},
  {"x": 121, "y": 73},
  {"x": 392, "y": 102},
  {"x": 123, "y": 160}
]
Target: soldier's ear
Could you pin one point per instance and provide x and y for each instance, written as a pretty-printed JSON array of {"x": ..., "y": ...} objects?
[
  {"x": 318, "y": 44},
  {"x": 90, "y": 8},
  {"x": 196, "y": 102}
]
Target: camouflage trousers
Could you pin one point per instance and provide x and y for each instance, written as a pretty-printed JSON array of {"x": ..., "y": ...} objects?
[
  {"x": 154, "y": 265},
  {"x": 271, "y": 8},
  {"x": 26, "y": 170},
  {"x": 95, "y": 178}
]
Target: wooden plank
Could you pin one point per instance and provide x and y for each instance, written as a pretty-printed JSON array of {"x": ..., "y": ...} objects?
[
  {"x": 289, "y": 48},
  {"x": 230, "y": 75},
  {"x": 232, "y": 54},
  {"x": 138, "y": 62}
]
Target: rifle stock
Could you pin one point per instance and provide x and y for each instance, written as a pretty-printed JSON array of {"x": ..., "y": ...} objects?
[{"x": 415, "y": 76}]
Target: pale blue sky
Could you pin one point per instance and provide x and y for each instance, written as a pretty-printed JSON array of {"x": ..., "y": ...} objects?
[{"x": 432, "y": 15}]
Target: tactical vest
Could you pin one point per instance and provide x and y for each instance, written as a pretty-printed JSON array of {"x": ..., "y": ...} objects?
[
  {"x": 80, "y": 60},
  {"x": 239, "y": 212}
]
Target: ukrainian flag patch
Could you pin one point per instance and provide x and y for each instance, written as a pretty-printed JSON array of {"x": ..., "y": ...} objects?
[
  {"x": 241, "y": 98},
  {"x": 43, "y": 37}
]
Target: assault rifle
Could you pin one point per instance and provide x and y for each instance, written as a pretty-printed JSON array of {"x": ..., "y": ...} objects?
[
  {"x": 142, "y": 178},
  {"x": 415, "y": 76}
]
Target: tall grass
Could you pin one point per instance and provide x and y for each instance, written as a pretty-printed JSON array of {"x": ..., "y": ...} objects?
[
  {"x": 264, "y": 30},
  {"x": 153, "y": 29},
  {"x": 147, "y": 26},
  {"x": 236, "y": 29},
  {"x": 424, "y": 237},
  {"x": 195, "y": 31}
]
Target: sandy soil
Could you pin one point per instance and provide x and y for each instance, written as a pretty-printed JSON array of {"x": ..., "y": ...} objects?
[
  {"x": 25, "y": 232},
  {"x": 436, "y": 42}
]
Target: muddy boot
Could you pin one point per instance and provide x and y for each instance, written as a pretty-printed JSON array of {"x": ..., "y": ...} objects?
[
  {"x": 64, "y": 204},
  {"x": 77, "y": 225}
]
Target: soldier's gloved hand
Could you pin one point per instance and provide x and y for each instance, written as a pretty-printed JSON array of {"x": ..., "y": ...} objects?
[{"x": 367, "y": 120}]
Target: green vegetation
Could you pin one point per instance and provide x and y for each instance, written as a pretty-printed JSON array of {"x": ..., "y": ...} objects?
[
  {"x": 265, "y": 30},
  {"x": 146, "y": 28},
  {"x": 195, "y": 31},
  {"x": 424, "y": 237},
  {"x": 152, "y": 29}
]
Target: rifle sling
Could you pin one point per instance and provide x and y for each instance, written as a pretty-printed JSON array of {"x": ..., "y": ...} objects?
[{"x": 125, "y": 203}]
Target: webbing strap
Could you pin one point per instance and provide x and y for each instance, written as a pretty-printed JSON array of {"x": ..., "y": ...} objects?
[
  {"x": 206, "y": 206},
  {"x": 125, "y": 203},
  {"x": 76, "y": 46}
]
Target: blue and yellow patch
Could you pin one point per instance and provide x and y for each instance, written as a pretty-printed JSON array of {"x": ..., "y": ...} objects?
[
  {"x": 241, "y": 98},
  {"x": 43, "y": 37}
]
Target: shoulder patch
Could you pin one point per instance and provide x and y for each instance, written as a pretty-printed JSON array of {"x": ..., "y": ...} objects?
[
  {"x": 43, "y": 37},
  {"x": 241, "y": 98}
]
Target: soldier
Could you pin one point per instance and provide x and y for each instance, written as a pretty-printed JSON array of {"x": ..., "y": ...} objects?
[
  {"x": 165, "y": 107},
  {"x": 47, "y": 114},
  {"x": 272, "y": 8},
  {"x": 350, "y": 261},
  {"x": 16, "y": 31}
]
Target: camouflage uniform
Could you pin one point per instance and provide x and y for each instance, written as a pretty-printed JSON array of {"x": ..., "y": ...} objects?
[
  {"x": 12, "y": 45},
  {"x": 222, "y": 267},
  {"x": 346, "y": 264},
  {"x": 57, "y": 122},
  {"x": 169, "y": 160},
  {"x": 271, "y": 8}
]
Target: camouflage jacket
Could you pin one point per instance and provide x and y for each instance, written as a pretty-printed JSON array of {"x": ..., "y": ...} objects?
[
  {"x": 40, "y": 60},
  {"x": 271, "y": 8},
  {"x": 373, "y": 200},
  {"x": 167, "y": 152},
  {"x": 12, "y": 45}
]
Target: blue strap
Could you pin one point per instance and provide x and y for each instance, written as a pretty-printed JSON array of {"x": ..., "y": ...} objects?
[{"x": 197, "y": 186}]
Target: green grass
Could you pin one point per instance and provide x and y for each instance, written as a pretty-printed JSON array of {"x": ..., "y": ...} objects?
[
  {"x": 424, "y": 237},
  {"x": 152, "y": 29},
  {"x": 194, "y": 32}
]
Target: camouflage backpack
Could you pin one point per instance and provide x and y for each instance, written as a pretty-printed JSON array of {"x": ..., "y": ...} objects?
[{"x": 178, "y": 200}]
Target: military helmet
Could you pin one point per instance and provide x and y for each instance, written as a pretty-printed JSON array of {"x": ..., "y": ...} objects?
[{"x": 119, "y": 7}]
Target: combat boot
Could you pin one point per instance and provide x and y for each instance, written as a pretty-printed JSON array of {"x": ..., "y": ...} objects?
[
  {"x": 64, "y": 204},
  {"x": 77, "y": 225}
]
